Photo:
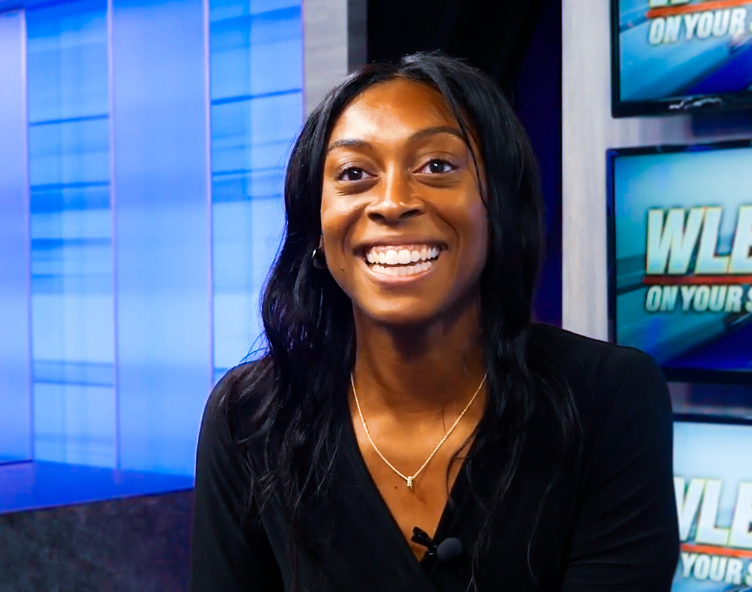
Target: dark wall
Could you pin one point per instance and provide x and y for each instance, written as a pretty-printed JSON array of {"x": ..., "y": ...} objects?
[
  {"x": 116, "y": 546},
  {"x": 518, "y": 43},
  {"x": 492, "y": 36},
  {"x": 537, "y": 100}
]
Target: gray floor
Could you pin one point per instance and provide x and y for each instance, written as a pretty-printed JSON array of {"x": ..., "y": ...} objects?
[{"x": 136, "y": 544}]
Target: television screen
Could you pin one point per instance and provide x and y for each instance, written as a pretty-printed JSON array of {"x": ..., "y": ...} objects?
[
  {"x": 672, "y": 56},
  {"x": 714, "y": 503},
  {"x": 681, "y": 258}
]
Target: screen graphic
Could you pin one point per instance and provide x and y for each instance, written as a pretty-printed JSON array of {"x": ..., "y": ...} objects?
[
  {"x": 714, "y": 503},
  {"x": 675, "y": 55},
  {"x": 681, "y": 238}
]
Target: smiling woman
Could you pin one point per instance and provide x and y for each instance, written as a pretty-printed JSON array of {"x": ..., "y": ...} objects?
[{"x": 409, "y": 428}]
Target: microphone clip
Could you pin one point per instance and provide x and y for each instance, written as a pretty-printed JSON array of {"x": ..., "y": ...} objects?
[
  {"x": 447, "y": 550},
  {"x": 421, "y": 537}
]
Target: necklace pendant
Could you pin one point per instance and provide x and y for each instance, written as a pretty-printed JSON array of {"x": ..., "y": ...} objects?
[{"x": 410, "y": 483}]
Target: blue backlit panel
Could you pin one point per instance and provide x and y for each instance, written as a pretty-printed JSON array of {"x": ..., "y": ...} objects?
[
  {"x": 142, "y": 156},
  {"x": 162, "y": 224},
  {"x": 15, "y": 364},
  {"x": 71, "y": 233},
  {"x": 257, "y": 109}
]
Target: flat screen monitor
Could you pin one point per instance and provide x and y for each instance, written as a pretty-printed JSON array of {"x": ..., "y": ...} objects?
[
  {"x": 713, "y": 488},
  {"x": 680, "y": 258},
  {"x": 675, "y": 56}
]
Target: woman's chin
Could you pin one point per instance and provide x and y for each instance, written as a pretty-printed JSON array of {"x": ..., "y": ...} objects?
[{"x": 398, "y": 317}]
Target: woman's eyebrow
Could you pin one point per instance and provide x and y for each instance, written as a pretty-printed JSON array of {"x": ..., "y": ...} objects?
[
  {"x": 432, "y": 131},
  {"x": 347, "y": 143},
  {"x": 419, "y": 135}
]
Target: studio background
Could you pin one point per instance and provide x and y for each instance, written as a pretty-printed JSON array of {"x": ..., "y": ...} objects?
[{"x": 142, "y": 148}]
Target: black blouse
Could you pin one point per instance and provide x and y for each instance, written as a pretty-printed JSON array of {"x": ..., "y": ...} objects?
[{"x": 601, "y": 520}]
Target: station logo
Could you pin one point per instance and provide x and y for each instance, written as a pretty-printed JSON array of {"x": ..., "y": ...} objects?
[{"x": 685, "y": 271}]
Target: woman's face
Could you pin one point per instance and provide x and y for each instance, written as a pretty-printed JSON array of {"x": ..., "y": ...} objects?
[{"x": 404, "y": 228}]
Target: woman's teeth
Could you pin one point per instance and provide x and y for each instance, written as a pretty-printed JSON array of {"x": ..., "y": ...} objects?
[
  {"x": 401, "y": 256},
  {"x": 402, "y": 270},
  {"x": 401, "y": 262}
]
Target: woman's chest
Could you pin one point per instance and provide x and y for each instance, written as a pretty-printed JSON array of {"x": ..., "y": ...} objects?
[
  {"x": 358, "y": 542},
  {"x": 421, "y": 505},
  {"x": 414, "y": 477},
  {"x": 517, "y": 517}
]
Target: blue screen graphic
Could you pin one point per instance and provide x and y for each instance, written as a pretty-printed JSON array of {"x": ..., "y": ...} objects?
[
  {"x": 670, "y": 49},
  {"x": 714, "y": 502},
  {"x": 144, "y": 145},
  {"x": 682, "y": 226}
]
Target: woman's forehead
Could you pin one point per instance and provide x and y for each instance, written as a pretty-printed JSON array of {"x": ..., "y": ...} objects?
[{"x": 394, "y": 106}]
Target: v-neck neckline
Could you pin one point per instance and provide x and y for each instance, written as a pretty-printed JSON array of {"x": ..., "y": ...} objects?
[{"x": 451, "y": 508}]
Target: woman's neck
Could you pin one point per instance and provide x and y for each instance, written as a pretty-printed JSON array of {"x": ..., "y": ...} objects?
[{"x": 419, "y": 370}]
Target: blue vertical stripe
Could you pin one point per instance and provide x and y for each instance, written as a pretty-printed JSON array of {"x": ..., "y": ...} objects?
[
  {"x": 162, "y": 228},
  {"x": 15, "y": 353}
]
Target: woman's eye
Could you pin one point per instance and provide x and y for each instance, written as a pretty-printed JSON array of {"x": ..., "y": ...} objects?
[
  {"x": 352, "y": 174},
  {"x": 438, "y": 167}
]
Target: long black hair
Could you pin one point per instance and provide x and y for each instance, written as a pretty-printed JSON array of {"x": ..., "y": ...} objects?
[{"x": 286, "y": 405}]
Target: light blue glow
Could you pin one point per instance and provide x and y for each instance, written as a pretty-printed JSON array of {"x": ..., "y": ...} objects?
[
  {"x": 161, "y": 212},
  {"x": 15, "y": 365},
  {"x": 39, "y": 484}
]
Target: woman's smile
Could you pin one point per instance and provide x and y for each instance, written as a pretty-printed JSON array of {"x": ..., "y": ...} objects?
[{"x": 401, "y": 264}]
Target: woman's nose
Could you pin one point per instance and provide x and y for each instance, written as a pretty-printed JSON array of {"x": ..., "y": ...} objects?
[{"x": 395, "y": 200}]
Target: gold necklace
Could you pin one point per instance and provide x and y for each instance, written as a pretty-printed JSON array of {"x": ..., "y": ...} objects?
[{"x": 410, "y": 479}]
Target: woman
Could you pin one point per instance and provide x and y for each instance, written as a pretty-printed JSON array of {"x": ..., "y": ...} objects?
[{"x": 409, "y": 428}]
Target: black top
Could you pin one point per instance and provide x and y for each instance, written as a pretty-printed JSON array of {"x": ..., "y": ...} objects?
[{"x": 608, "y": 522}]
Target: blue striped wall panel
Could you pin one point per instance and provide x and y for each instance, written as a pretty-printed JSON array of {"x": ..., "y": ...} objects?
[
  {"x": 71, "y": 233},
  {"x": 146, "y": 213},
  {"x": 256, "y": 92}
]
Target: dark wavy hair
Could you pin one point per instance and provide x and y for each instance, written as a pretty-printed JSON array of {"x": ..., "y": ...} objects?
[{"x": 285, "y": 406}]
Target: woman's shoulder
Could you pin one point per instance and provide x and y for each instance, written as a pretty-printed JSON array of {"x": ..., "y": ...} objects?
[
  {"x": 241, "y": 386},
  {"x": 605, "y": 379},
  {"x": 234, "y": 399},
  {"x": 584, "y": 360},
  {"x": 621, "y": 396},
  {"x": 625, "y": 504}
]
